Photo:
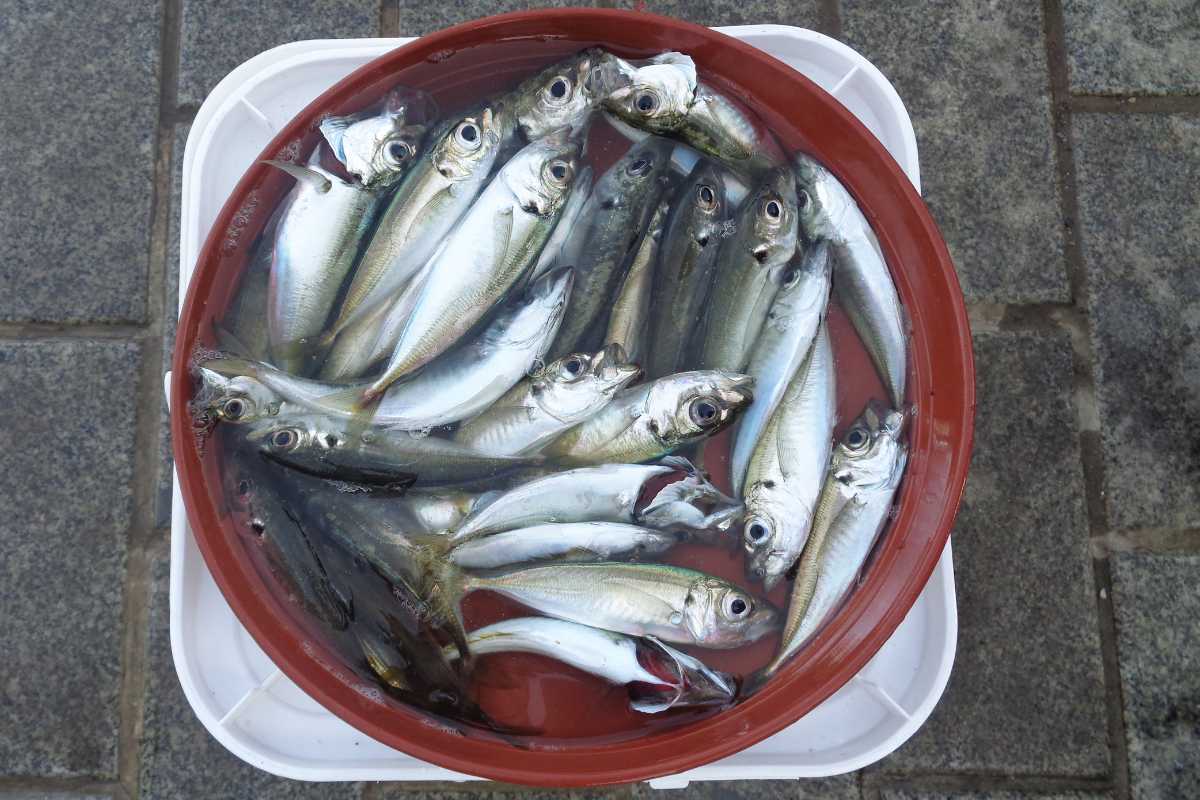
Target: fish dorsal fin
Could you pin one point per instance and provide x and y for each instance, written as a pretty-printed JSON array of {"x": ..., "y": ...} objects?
[{"x": 308, "y": 176}]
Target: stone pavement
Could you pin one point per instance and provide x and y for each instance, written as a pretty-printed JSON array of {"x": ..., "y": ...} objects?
[{"x": 1060, "y": 147}]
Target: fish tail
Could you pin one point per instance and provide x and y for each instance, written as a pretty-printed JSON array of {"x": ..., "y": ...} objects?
[{"x": 232, "y": 366}]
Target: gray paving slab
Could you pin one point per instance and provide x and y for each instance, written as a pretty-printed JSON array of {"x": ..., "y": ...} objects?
[
  {"x": 66, "y": 464},
  {"x": 1141, "y": 242},
  {"x": 840, "y": 787},
  {"x": 973, "y": 76},
  {"x": 1116, "y": 47},
  {"x": 917, "y": 794},
  {"x": 36, "y": 795},
  {"x": 418, "y": 17},
  {"x": 1026, "y": 696},
  {"x": 801, "y": 13},
  {"x": 179, "y": 758},
  {"x": 79, "y": 133},
  {"x": 1158, "y": 628},
  {"x": 218, "y": 35}
]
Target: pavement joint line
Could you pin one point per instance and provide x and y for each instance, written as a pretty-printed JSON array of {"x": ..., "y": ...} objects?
[
  {"x": 876, "y": 782},
  {"x": 183, "y": 114},
  {"x": 829, "y": 18},
  {"x": 1147, "y": 540},
  {"x": 389, "y": 18},
  {"x": 42, "y": 784},
  {"x": 16, "y": 331},
  {"x": 1134, "y": 104},
  {"x": 1084, "y": 387}
]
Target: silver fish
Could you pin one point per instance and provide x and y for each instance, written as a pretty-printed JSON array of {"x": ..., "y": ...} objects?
[
  {"x": 322, "y": 223},
  {"x": 615, "y": 215},
  {"x": 690, "y": 505},
  {"x": 671, "y": 603},
  {"x": 562, "y": 95},
  {"x": 674, "y": 679},
  {"x": 377, "y": 147},
  {"x": 653, "y": 419},
  {"x": 328, "y": 447},
  {"x": 570, "y": 541},
  {"x": 552, "y": 254},
  {"x": 787, "y": 466},
  {"x": 434, "y": 194},
  {"x": 496, "y": 243},
  {"x": 665, "y": 97},
  {"x": 548, "y": 402},
  {"x": 861, "y": 278},
  {"x": 750, "y": 268},
  {"x": 630, "y": 315},
  {"x": 785, "y": 340},
  {"x": 865, "y": 472},
  {"x": 441, "y": 509},
  {"x": 243, "y": 327},
  {"x": 687, "y": 260},
  {"x": 235, "y": 398},
  {"x": 461, "y": 383}
]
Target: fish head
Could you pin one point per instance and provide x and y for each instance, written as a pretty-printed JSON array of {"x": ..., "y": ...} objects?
[
  {"x": 688, "y": 405},
  {"x": 565, "y": 93},
  {"x": 295, "y": 434},
  {"x": 639, "y": 171},
  {"x": 706, "y": 202},
  {"x": 804, "y": 289},
  {"x": 719, "y": 614},
  {"x": 378, "y": 148},
  {"x": 769, "y": 219},
  {"x": 690, "y": 682},
  {"x": 870, "y": 454},
  {"x": 542, "y": 173},
  {"x": 691, "y": 504},
  {"x": 535, "y": 317},
  {"x": 579, "y": 384},
  {"x": 468, "y": 147},
  {"x": 774, "y": 530},
  {"x": 239, "y": 399},
  {"x": 657, "y": 94},
  {"x": 821, "y": 201}
]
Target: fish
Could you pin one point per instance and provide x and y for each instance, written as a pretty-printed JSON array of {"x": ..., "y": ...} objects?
[
  {"x": 750, "y": 268},
  {"x": 616, "y": 214},
  {"x": 864, "y": 473},
  {"x": 659, "y": 676},
  {"x": 236, "y": 399},
  {"x": 695, "y": 227},
  {"x": 460, "y": 384},
  {"x": 442, "y": 509},
  {"x": 552, "y": 254},
  {"x": 322, "y": 224},
  {"x": 329, "y": 447},
  {"x": 378, "y": 147},
  {"x": 785, "y": 340},
  {"x": 562, "y": 95},
  {"x": 434, "y": 194},
  {"x": 630, "y": 314},
  {"x": 549, "y": 401},
  {"x": 654, "y": 419},
  {"x": 495, "y": 244},
  {"x": 673, "y": 604},
  {"x": 861, "y": 279},
  {"x": 570, "y": 541},
  {"x": 787, "y": 467},
  {"x": 665, "y": 97},
  {"x": 244, "y": 325}
]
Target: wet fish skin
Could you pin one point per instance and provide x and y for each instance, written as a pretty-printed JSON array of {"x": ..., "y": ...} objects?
[
  {"x": 653, "y": 419},
  {"x": 670, "y": 603},
  {"x": 496, "y": 243},
  {"x": 572, "y": 541},
  {"x": 785, "y": 340},
  {"x": 434, "y": 194},
  {"x": 680, "y": 680},
  {"x": 686, "y": 266},
  {"x": 378, "y": 147},
  {"x": 551, "y": 400},
  {"x": 553, "y": 253},
  {"x": 750, "y": 269},
  {"x": 864, "y": 474},
  {"x": 616, "y": 213},
  {"x": 787, "y": 467},
  {"x": 861, "y": 278},
  {"x": 322, "y": 223},
  {"x": 628, "y": 322}
]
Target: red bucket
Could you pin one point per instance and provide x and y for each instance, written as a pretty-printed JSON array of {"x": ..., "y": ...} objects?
[{"x": 452, "y": 64}]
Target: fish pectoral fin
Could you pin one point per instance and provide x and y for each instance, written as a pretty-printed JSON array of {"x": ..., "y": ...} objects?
[
  {"x": 304, "y": 175},
  {"x": 502, "y": 235},
  {"x": 334, "y": 129}
]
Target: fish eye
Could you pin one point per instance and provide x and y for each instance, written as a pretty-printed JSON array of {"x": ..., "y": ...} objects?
[
  {"x": 856, "y": 439},
  {"x": 560, "y": 172},
  {"x": 737, "y": 605},
  {"x": 757, "y": 531},
  {"x": 639, "y": 167},
  {"x": 646, "y": 101},
  {"x": 233, "y": 409},
  {"x": 399, "y": 151},
  {"x": 559, "y": 87},
  {"x": 284, "y": 439},
  {"x": 802, "y": 199},
  {"x": 772, "y": 209},
  {"x": 760, "y": 253},
  {"x": 243, "y": 487},
  {"x": 468, "y": 135},
  {"x": 706, "y": 197},
  {"x": 790, "y": 277},
  {"x": 572, "y": 367},
  {"x": 704, "y": 412}
]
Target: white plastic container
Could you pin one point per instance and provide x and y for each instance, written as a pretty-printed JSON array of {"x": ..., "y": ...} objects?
[{"x": 247, "y": 703}]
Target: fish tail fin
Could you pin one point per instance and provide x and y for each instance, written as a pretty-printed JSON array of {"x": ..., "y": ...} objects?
[
  {"x": 313, "y": 178},
  {"x": 232, "y": 366},
  {"x": 228, "y": 341}
]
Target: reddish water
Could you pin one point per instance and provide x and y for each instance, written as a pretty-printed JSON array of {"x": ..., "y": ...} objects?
[{"x": 525, "y": 692}]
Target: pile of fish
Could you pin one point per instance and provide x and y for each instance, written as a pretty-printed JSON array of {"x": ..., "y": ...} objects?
[{"x": 460, "y": 361}]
